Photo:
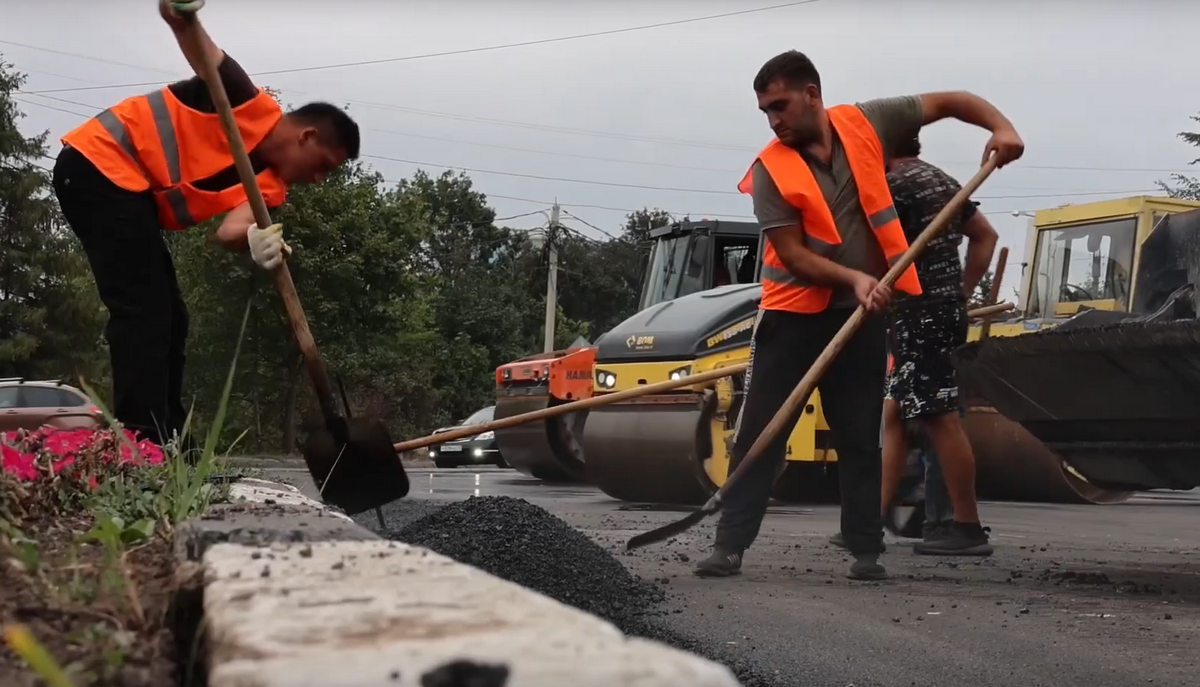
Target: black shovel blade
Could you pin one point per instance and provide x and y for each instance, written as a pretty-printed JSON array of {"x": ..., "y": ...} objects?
[{"x": 366, "y": 471}]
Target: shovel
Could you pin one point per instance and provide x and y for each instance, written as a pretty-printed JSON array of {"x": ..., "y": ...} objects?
[
  {"x": 369, "y": 473},
  {"x": 786, "y": 416}
]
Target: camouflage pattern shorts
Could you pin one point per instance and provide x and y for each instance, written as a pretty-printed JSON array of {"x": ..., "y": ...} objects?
[{"x": 921, "y": 337}]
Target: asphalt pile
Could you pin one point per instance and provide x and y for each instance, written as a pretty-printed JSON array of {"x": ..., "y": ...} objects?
[
  {"x": 522, "y": 543},
  {"x": 519, "y": 542}
]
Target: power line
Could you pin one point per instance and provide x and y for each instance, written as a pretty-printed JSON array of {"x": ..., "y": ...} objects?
[
  {"x": 50, "y": 107},
  {"x": 711, "y": 191},
  {"x": 589, "y": 224},
  {"x": 548, "y": 127},
  {"x": 539, "y": 177},
  {"x": 89, "y": 58},
  {"x": 725, "y": 170},
  {"x": 594, "y": 182},
  {"x": 448, "y": 53}
]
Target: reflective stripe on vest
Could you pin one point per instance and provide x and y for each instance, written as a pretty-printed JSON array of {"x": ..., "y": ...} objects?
[
  {"x": 781, "y": 289},
  {"x": 160, "y": 168}
]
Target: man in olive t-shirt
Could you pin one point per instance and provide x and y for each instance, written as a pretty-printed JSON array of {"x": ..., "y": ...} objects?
[
  {"x": 786, "y": 344},
  {"x": 896, "y": 120}
]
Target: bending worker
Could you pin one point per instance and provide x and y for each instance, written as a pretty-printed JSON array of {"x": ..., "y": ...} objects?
[
  {"x": 821, "y": 196},
  {"x": 923, "y": 331},
  {"x": 159, "y": 162}
]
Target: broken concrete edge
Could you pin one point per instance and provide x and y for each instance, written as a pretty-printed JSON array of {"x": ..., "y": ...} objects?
[{"x": 291, "y": 593}]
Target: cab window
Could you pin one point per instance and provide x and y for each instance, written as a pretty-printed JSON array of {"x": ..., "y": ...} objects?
[{"x": 1089, "y": 264}]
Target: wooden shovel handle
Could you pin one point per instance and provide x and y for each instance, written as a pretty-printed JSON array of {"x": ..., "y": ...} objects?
[
  {"x": 606, "y": 399},
  {"x": 262, "y": 217},
  {"x": 985, "y": 329}
]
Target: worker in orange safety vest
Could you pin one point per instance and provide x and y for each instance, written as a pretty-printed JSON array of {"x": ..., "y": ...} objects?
[
  {"x": 821, "y": 196},
  {"x": 160, "y": 161}
]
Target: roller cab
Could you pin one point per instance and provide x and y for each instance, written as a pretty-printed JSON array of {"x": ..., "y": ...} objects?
[{"x": 1095, "y": 392}]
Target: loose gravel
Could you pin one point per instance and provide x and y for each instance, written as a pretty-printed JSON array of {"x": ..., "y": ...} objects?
[{"x": 522, "y": 543}]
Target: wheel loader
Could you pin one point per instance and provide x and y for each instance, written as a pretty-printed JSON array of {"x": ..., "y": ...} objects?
[
  {"x": 685, "y": 258},
  {"x": 1099, "y": 396}
]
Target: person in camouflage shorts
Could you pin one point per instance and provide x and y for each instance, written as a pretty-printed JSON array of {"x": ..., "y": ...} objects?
[{"x": 922, "y": 332}]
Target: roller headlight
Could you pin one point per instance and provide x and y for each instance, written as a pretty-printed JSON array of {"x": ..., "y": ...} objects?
[
  {"x": 680, "y": 373},
  {"x": 605, "y": 380}
]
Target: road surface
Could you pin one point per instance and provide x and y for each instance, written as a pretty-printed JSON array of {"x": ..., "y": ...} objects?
[{"x": 1095, "y": 596}]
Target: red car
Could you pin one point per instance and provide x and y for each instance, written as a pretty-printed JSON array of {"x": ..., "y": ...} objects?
[{"x": 27, "y": 404}]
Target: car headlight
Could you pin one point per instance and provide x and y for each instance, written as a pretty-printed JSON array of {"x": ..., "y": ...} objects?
[
  {"x": 680, "y": 373},
  {"x": 486, "y": 436},
  {"x": 605, "y": 379}
]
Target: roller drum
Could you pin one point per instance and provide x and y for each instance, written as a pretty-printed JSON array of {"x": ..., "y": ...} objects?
[
  {"x": 544, "y": 449},
  {"x": 649, "y": 452}
]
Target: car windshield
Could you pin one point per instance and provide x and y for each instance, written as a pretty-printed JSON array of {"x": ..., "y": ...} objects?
[
  {"x": 1083, "y": 263},
  {"x": 480, "y": 416}
]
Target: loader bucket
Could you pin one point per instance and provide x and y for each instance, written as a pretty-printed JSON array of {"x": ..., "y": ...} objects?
[{"x": 1119, "y": 402}]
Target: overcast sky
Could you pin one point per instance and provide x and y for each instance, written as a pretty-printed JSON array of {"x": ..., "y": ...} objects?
[{"x": 1098, "y": 89}]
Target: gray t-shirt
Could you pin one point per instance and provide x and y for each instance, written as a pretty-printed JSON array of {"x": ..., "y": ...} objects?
[{"x": 896, "y": 120}]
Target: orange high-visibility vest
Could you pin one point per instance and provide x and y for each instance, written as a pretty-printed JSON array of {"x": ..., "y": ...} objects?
[
  {"x": 781, "y": 290},
  {"x": 155, "y": 143}
]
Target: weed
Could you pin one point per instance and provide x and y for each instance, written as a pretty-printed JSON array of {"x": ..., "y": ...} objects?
[{"x": 23, "y": 643}]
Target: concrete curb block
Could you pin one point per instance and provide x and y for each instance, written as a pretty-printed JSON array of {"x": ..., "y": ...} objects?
[{"x": 297, "y": 595}]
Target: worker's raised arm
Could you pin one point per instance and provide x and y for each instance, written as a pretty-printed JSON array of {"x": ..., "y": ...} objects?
[
  {"x": 180, "y": 16},
  {"x": 970, "y": 108},
  {"x": 981, "y": 243}
]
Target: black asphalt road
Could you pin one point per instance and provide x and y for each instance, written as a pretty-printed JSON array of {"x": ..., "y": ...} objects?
[{"x": 1095, "y": 596}]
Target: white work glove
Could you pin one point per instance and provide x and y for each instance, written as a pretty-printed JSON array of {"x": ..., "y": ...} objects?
[
  {"x": 266, "y": 246},
  {"x": 181, "y": 8}
]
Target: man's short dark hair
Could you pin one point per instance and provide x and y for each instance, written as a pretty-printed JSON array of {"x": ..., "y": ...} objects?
[
  {"x": 792, "y": 67},
  {"x": 336, "y": 127},
  {"x": 909, "y": 148}
]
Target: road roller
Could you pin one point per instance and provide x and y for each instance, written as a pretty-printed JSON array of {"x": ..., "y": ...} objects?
[
  {"x": 685, "y": 258},
  {"x": 674, "y": 447},
  {"x": 1095, "y": 394}
]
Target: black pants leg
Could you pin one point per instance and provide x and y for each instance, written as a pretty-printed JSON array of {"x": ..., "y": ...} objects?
[
  {"x": 147, "y": 325},
  {"x": 852, "y": 400},
  {"x": 784, "y": 347}
]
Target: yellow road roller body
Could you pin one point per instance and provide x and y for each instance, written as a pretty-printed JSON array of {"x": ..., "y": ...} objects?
[{"x": 675, "y": 447}]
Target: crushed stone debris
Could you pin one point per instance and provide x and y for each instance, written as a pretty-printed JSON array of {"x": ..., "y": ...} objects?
[{"x": 525, "y": 544}]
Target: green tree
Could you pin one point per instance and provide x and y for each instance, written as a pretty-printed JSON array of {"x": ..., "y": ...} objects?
[
  {"x": 602, "y": 280},
  {"x": 354, "y": 261},
  {"x": 1185, "y": 187},
  {"x": 51, "y": 318}
]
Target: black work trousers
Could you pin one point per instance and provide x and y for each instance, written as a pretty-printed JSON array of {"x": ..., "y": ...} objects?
[
  {"x": 135, "y": 275},
  {"x": 784, "y": 347}
]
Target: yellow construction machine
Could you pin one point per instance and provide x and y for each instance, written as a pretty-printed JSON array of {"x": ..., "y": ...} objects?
[
  {"x": 674, "y": 447},
  {"x": 685, "y": 258},
  {"x": 1099, "y": 395}
]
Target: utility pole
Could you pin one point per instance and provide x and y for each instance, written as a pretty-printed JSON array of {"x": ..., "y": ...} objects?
[{"x": 552, "y": 278}]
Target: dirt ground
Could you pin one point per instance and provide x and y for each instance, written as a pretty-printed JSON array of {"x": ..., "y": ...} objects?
[{"x": 104, "y": 626}]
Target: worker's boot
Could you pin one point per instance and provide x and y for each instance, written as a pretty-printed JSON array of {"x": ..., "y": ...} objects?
[
  {"x": 722, "y": 563},
  {"x": 958, "y": 539},
  {"x": 866, "y": 566}
]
